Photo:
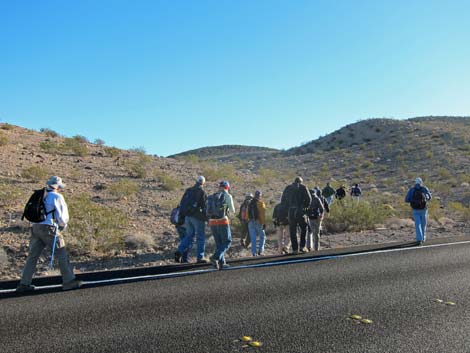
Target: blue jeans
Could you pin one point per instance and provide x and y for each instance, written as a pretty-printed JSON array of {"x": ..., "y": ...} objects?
[
  {"x": 194, "y": 227},
  {"x": 420, "y": 217},
  {"x": 256, "y": 229},
  {"x": 181, "y": 232},
  {"x": 223, "y": 239}
]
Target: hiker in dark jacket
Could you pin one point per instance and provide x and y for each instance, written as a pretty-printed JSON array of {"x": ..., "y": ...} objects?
[
  {"x": 281, "y": 224},
  {"x": 418, "y": 197},
  {"x": 328, "y": 192},
  {"x": 341, "y": 192},
  {"x": 297, "y": 198},
  {"x": 193, "y": 206},
  {"x": 243, "y": 217},
  {"x": 356, "y": 192}
]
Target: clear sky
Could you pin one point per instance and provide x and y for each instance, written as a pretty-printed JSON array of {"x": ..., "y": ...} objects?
[{"x": 174, "y": 75}]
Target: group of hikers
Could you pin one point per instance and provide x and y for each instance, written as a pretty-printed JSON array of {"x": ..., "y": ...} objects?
[
  {"x": 300, "y": 212},
  {"x": 300, "y": 209}
]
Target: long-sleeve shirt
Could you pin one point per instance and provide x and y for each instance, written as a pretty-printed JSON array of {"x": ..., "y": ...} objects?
[
  {"x": 56, "y": 208},
  {"x": 230, "y": 209},
  {"x": 261, "y": 206}
]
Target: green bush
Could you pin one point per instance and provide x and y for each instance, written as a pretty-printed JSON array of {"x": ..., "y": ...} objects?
[
  {"x": 220, "y": 172},
  {"x": 112, "y": 151},
  {"x": 7, "y": 126},
  {"x": 462, "y": 211},
  {"x": 351, "y": 215},
  {"x": 135, "y": 169},
  {"x": 76, "y": 146},
  {"x": 123, "y": 188},
  {"x": 169, "y": 183},
  {"x": 35, "y": 173},
  {"x": 94, "y": 228},
  {"x": 10, "y": 195},
  {"x": 3, "y": 139},
  {"x": 49, "y": 132},
  {"x": 49, "y": 147}
]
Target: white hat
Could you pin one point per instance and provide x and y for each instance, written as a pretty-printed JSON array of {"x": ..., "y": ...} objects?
[
  {"x": 55, "y": 182},
  {"x": 418, "y": 181},
  {"x": 201, "y": 180}
]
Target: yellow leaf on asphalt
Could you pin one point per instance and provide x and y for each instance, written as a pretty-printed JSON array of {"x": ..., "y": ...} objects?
[
  {"x": 246, "y": 339},
  {"x": 366, "y": 321},
  {"x": 356, "y": 317},
  {"x": 255, "y": 344},
  {"x": 449, "y": 303}
]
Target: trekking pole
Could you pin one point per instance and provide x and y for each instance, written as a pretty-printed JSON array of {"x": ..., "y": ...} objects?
[{"x": 51, "y": 264}]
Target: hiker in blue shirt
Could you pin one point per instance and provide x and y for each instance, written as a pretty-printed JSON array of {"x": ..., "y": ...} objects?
[{"x": 418, "y": 197}]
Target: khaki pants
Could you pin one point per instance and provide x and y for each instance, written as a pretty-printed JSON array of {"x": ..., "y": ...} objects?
[
  {"x": 313, "y": 237},
  {"x": 283, "y": 238},
  {"x": 42, "y": 236}
]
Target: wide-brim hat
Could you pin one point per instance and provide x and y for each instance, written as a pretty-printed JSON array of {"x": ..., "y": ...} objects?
[{"x": 55, "y": 182}]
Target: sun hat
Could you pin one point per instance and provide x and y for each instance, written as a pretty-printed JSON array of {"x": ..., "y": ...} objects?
[
  {"x": 418, "y": 181},
  {"x": 201, "y": 180},
  {"x": 224, "y": 184},
  {"x": 55, "y": 182}
]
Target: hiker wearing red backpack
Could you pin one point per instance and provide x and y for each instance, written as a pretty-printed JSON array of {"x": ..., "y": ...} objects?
[
  {"x": 418, "y": 197},
  {"x": 45, "y": 232}
]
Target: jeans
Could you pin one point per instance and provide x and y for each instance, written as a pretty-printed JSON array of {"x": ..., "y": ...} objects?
[
  {"x": 245, "y": 234},
  {"x": 194, "y": 227},
  {"x": 256, "y": 230},
  {"x": 223, "y": 239},
  {"x": 42, "y": 236},
  {"x": 329, "y": 199},
  {"x": 181, "y": 232},
  {"x": 420, "y": 217}
]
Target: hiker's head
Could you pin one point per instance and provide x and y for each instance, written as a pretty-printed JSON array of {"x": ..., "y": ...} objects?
[
  {"x": 224, "y": 184},
  {"x": 258, "y": 194},
  {"x": 200, "y": 180},
  {"x": 248, "y": 195},
  {"x": 418, "y": 181},
  {"x": 55, "y": 182},
  {"x": 356, "y": 185},
  {"x": 298, "y": 180}
]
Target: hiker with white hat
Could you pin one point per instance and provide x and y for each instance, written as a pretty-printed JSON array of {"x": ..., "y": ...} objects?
[
  {"x": 46, "y": 233},
  {"x": 418, "y": 197}
]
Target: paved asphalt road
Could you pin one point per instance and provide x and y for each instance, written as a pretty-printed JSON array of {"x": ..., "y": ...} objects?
[{"x": 300, "y": 307}]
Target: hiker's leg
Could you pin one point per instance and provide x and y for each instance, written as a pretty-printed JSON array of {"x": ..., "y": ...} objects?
[
  {"x": 417, "y": 219},
  {"x": 64, "y": 265},
  {"x": 200, "y": 227},
  {"x": 252, "y": 231},
  {"x": 36, "y": 246}
]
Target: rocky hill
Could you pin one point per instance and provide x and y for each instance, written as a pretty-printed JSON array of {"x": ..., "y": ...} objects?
[{"x": 120, "y": 200}]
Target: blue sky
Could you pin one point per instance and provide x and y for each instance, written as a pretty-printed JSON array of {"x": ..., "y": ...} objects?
[{"x": 174, "y": 75}]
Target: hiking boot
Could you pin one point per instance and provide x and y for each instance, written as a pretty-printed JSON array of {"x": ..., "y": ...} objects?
[
  {"x": 303, "y": 250},
  {"x": 215, "y": 263},
  {"x": 25, "y": 288},
  {"x": 223, "y": 266},
  {"x": 204, "y": 260},
  {"x": 261, "y": 253},
  {"x": 74, "y": 284},
  {"x": 178, "y": 257},
  {"x": 285, "y": 250}
]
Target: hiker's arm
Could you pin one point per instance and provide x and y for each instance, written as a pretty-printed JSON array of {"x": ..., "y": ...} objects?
[{"x": 61, "y": 213}]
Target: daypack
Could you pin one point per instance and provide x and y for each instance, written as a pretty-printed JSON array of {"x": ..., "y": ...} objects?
[
  {"x": 189, "y": 202},
  {"x": 253, "y": 209},
  {"x": 313, "y": 210},
  {"x": 216, "y": 205},
  {"x": 418, "y": 199},
  {"x": 281, "y": 214},
  {"x": 176, "y": 217},
  {"x": 35, "y": 209},
  {"x": 243, "y": 215},
  {"x": 356, "y": 191}
]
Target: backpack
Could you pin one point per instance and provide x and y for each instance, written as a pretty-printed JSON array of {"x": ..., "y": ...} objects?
[
  {"x": 243, "y": 214},
  {"x": 253, "y": 210},
  {"x": 313, "y": 211},
  {"x": 176, "y": 217},
  {"x": 281, "y": 214},
  {"x": 189, "y": 202},
  {"x": 216, "y": 205},
  {"x": 418, "y": 199},
  {"x": 35, "y": 209}
]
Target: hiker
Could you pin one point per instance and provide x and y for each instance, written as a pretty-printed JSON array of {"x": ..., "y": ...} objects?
[
  {"x": 243, "y": 217},
  {"x": 257, "y": 224},
  {"x": 356, "y": 192},
  {"x": 192, "y": 208},
  {"x": 328, "y": 192},
  {"x": 297, "y": 198},
  {"x": 341, "y": 192},
  {"x": 43, "y": 235},
  {"x": 418, "y": 197},
  {"x": 281, "y": 224},
  {"x": 219, "y": 205},
  {"x": 316, "y": 210}
]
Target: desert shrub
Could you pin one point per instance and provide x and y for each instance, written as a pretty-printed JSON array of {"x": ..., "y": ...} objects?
[
  {"x": 349, "y": 215},
  {"x": 94, "y": 228},
  {"x": 140, "y": 150},
  {"x": 9, "y": 195},
  {"x": 190, "y": 158},
  {"x": 462, "y": 211},
  {"x": 80, "y": 138},
  {"x": 123, "y": 188},
  {"x": 35, "y": 173},
  {"x": 112, "y": 151},
  {"x": 139, "y": 241},
  {"x": 265, "y": 175},
  {"x": 168, "y": 182},
  {"x": 7, "y": 126},
  {"x": 49, "y": 132},
  {"x": 366, "y": 164},
  {"x": 3, "y": 139},
  {"x": 49, "y": 146},
  {"x": 135, "y": 169},
  {"x": 76, "y": 145},
  {"x": 223, "y": 172},
  {"x": 99, "y": 142}
]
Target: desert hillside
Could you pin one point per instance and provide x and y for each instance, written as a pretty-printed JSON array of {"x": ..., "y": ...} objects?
[{"x": 120, "y": 200}]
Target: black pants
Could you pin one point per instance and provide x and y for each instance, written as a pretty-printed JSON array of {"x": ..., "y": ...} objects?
[{"x": 297, "y": 219}]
